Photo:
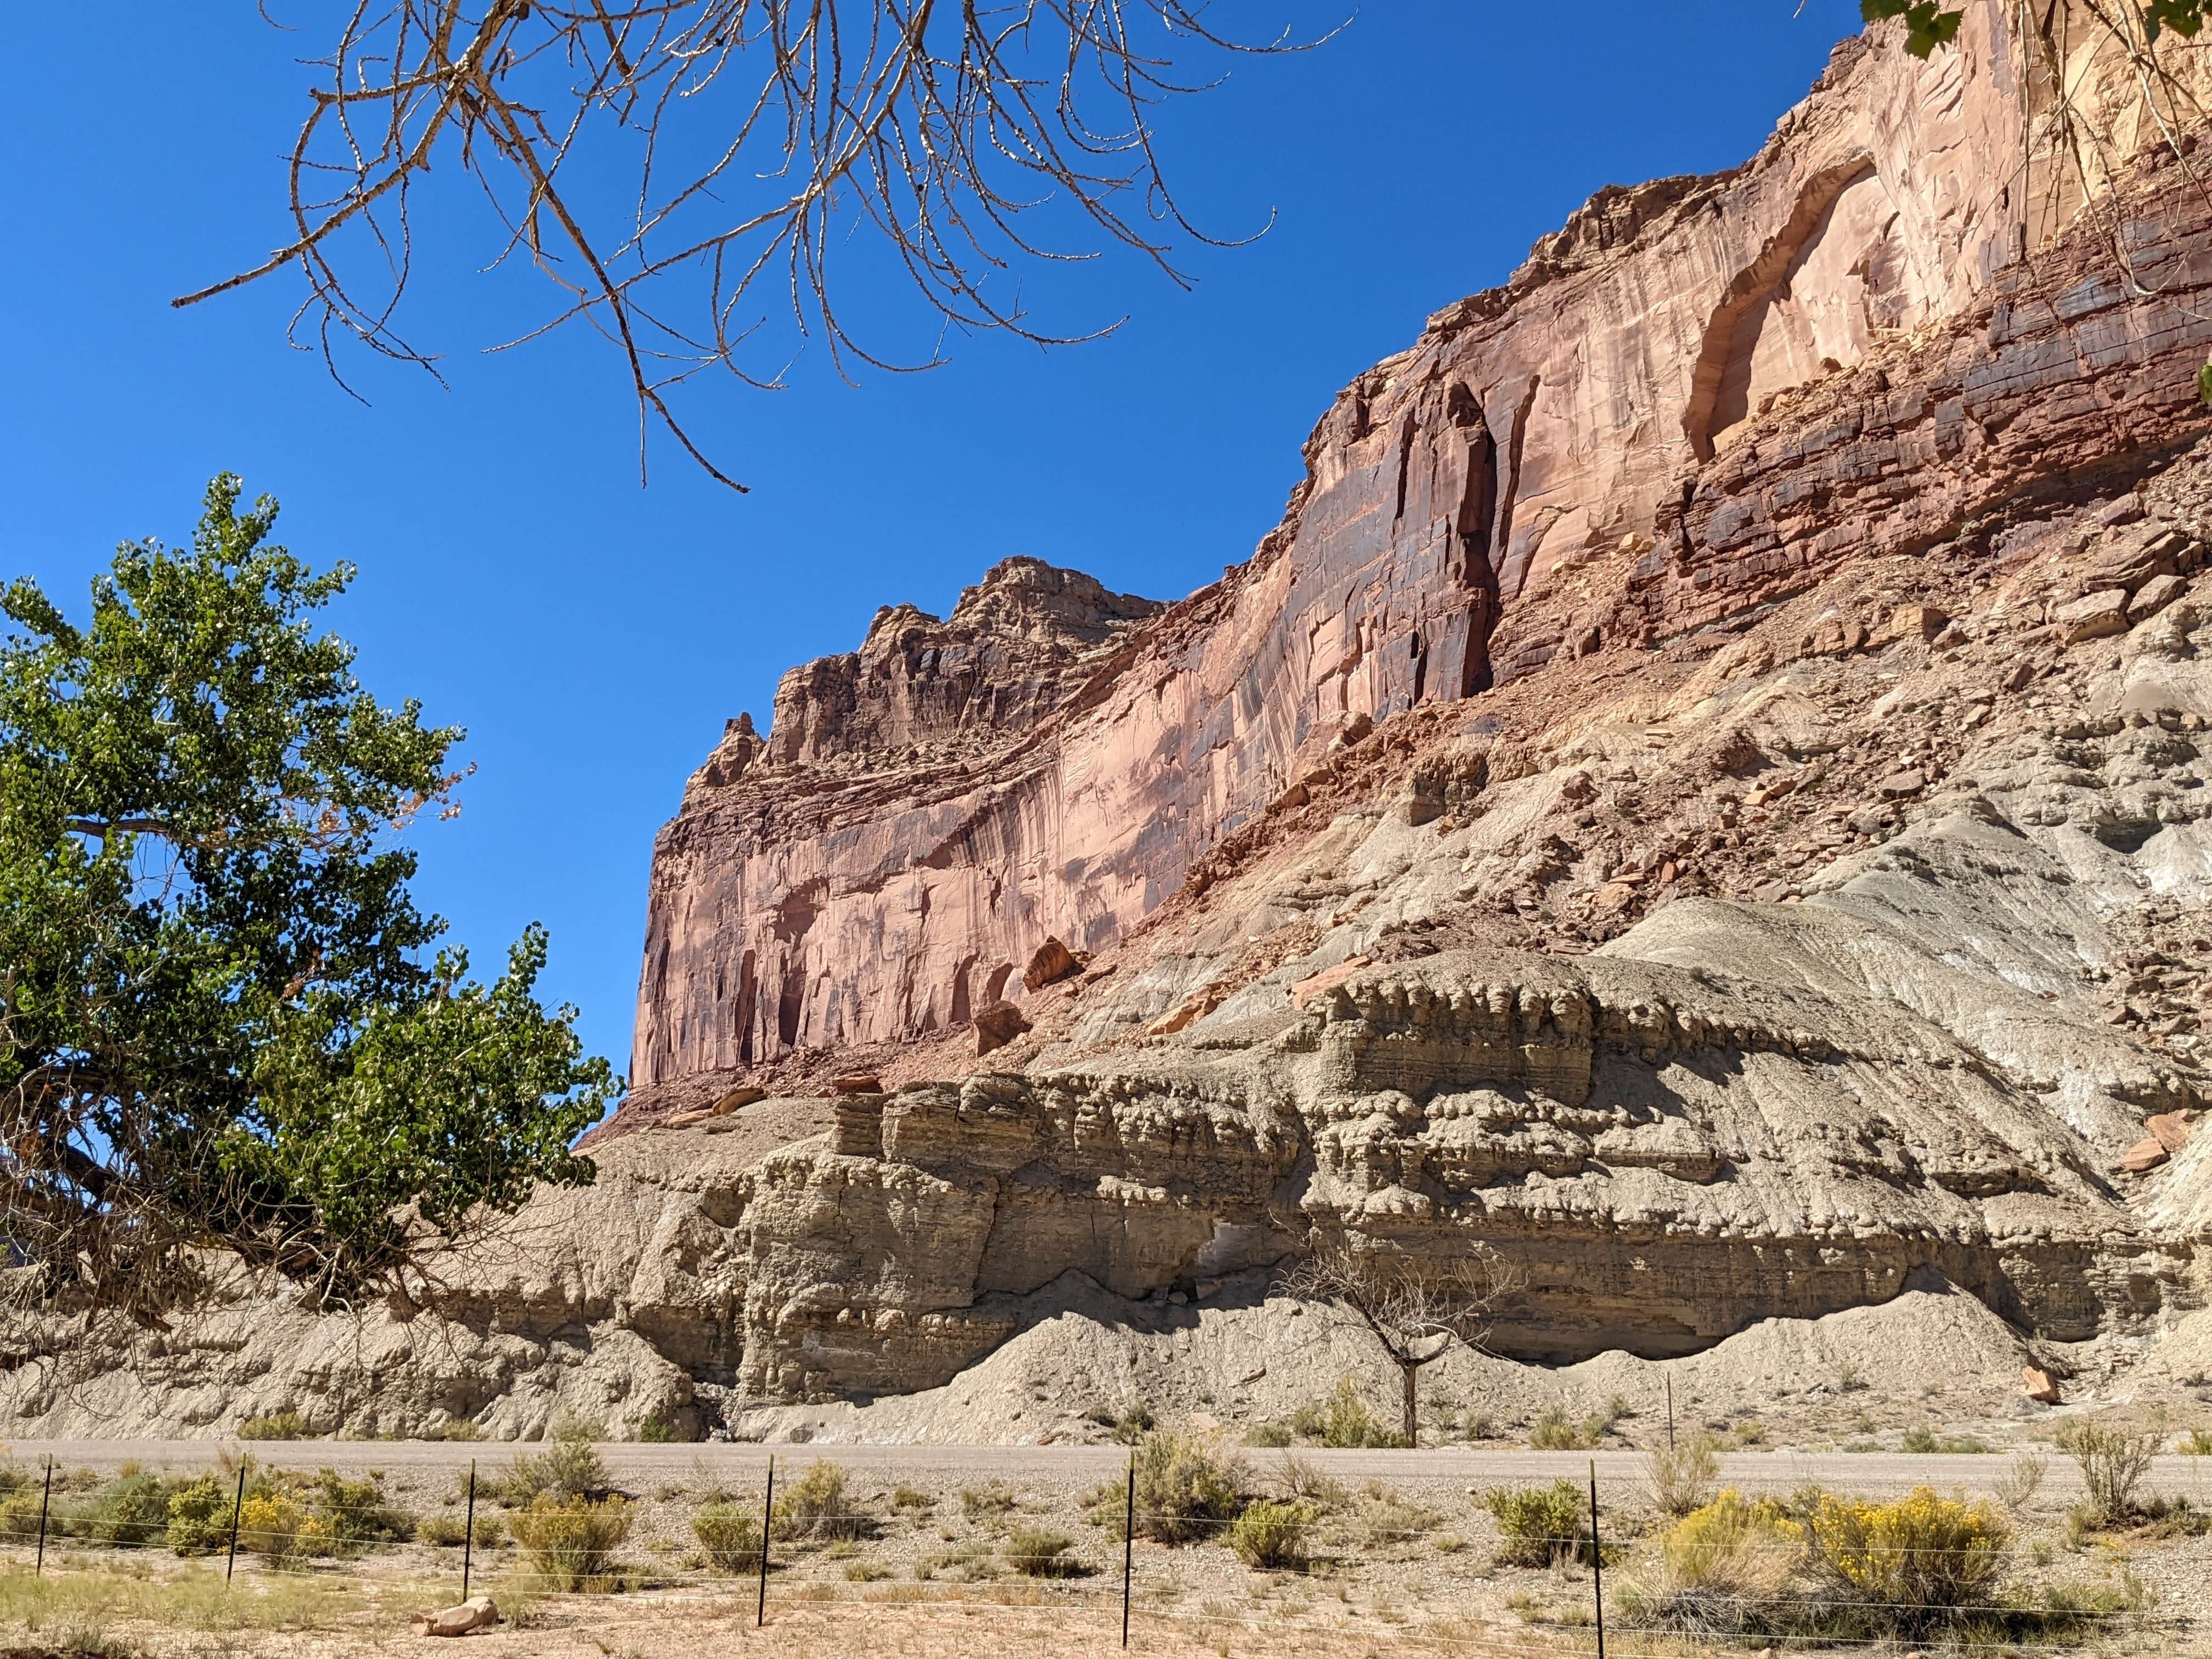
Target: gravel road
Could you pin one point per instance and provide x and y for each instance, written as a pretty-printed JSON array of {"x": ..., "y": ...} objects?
[{"x": 633, "y": 1463}]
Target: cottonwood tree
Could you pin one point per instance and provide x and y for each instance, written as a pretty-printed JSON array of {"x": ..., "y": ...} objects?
[
  {"x": 1414, "y": 1309},
  {"x": 218, "y": 1037},
  {"x": 762, "y": 143}
]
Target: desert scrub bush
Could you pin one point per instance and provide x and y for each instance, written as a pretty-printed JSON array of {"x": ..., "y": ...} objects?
[
  {"x": 2113, "y": 1463},
  {"x": 815, "y": 1506},
  {"x": 355, "y": 1513},
  {"x": 1386, "y": 1517},
  {"x": 1913, "y": 1563},
  {"x": 445, "y": 1531},
  {"x": 1036, "y": 1553},
  {"x": 987, "y": 1503},
  {"x": 2197, "y": 1443},
  {"x": 1343, "y": 1420},
  {"x": 1556, "y": 1432},
  {"x": 277, "y": 1526},
  {"x": 567, "y": 1468},
  {"x": 2023, "y": 1479},
  {"x": 455, "y": 1428},
  {"x": 909, "y": 1497},
  {"x": 1269, "y": 1435},
  {"x": 285, "y": 1425},
  {"x": 967, "y": 1563},
  {"x": 1271, "y": 1536},
  {"x": 1724, "y": 1568},
  {"x": 657, "y": 1431},
  {"x": 1309, "y": 1486},
  {"x": 1538, "y": 1526},
  {"x": 1133, "y": 1425},
  {"x": 729, "y": 1534},
  {"x": 131, "y": 1508},
  {"x": 200, "y": 1515},
  {"x": 1188, "y": 1488},
  {"x": 1920, "y": 1439},
  {"x": 572, "y": 1545},
  {"x": 1683, "y": 1475},
  {"x": 19, "y": 1516}
]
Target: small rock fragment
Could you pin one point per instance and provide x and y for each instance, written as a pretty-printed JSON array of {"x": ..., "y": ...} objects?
[
  {"x": 1899, "y": 785},
  {"x": 1305, "y": 989},
  {"x": 2169, "y": 1129},
  {"x": 2143, "y": 1156},
  {"x": 859, "y": 1083}
]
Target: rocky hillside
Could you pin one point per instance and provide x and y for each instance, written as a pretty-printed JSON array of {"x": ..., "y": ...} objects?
[{"x": 1702, "y": 794}]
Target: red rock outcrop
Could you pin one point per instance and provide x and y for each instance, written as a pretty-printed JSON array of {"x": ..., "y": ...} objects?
[{"x": 1705, "y": 393}]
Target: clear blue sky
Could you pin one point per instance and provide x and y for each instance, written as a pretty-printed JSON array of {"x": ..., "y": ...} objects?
[{"x": 594, "y": 636}]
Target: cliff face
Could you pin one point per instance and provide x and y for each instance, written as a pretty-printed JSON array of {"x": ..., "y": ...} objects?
[
  {"x": 1052, "y": 760},
  {"x": 1705, "y": 797}
]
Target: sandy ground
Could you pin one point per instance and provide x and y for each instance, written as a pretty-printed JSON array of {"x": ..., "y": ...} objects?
[{"x": 1407, "y": 1564}]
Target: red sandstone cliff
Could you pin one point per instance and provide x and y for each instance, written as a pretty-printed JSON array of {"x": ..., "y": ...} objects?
[{"x": 1581, "y": 461}]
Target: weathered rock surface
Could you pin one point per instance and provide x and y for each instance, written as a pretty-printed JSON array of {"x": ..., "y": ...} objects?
[{"x": 1704, "y": 794}]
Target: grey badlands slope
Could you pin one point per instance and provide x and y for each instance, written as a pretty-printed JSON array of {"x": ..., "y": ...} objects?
[{"x": 1706, "y": 794}]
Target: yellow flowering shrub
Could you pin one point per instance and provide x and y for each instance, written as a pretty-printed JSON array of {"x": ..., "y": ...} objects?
[
  {"x": 1921, "y": 1551},
  {"x": 278, "y": 1528},
  {"x": 1731, "y": 1540}
]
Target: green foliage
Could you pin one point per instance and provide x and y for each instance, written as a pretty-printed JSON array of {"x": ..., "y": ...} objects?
[
  {"x": 1035, "y": 1553},
  {"x": 133, "y": 1508},
  {"x": 285, "y": 1425},
  {"x": 1187, "y": 1486},
  {"x": 1539, "y": 1525},
  {"x": 1926, "y": 24},
  {"x": 1271, "y": 1536},
  {"x": 654, "y": 1432},
  {"x": 572, "y": 1545},
  {"x": 200, "y": 1515},
  {"x": 1342, "y": 1419},
  {"x": 1556, "y": 1432},
  {"x": 730, "y": 1536},
  {"x": 1268, "y": 1435},
  {"x": 567, "y": 1468},
  {"x": 219, "y": 1029},
  {"x": 1919, "y": 1439}
]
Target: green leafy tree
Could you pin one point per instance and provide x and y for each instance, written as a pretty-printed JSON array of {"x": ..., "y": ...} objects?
[{"x": 217, "y": 1030}]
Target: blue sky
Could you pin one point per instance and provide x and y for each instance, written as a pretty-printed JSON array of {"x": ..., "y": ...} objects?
[{"x": 594, "y": 635}]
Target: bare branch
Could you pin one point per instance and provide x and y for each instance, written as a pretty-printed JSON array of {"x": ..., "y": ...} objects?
[{"x": 940, "y": 127}]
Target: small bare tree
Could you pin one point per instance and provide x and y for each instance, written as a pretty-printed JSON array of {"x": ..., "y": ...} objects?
[
  {"x": 1415, "y": 1308},
  {"x": 757, "y": 142}
]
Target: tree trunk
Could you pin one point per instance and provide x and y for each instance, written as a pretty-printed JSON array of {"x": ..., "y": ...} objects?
[{"x": 1407, "y": 1369}]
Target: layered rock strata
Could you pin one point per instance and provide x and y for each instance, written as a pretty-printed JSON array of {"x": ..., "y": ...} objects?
[{"x": 1704, "y": 796}]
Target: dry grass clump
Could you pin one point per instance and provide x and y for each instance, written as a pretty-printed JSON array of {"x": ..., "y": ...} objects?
[
  {"x": 285, "y": 1425},
  {"x": 1343, "y": 1420},
  {"x": 2114, "y": 1462},
  {"x": 188, "y": 1598},
  {"x": 1035, "y": 1552},
  {"x": 1683, "y": 1475}
]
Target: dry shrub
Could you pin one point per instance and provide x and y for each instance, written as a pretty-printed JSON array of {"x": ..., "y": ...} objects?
[
  {"x": 817, "y": 1506},
  {"x": 569, "y": 1468},
  {"x": 572, "y": 1546},
  {"x": 1036, "y": 1553},
  {"x": 730, "y": 1536},
  {"x": 1683, "y": 1475},
  {"x": 1187, "y": 1488},
  {"x": 2113, "y": 1463},
  {"x": 1722, "y": 1568},
  {"x": 2023, "y": 1477}
]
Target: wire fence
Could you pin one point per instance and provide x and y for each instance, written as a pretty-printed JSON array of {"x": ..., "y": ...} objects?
[{"x": 1773, "y": 1577}]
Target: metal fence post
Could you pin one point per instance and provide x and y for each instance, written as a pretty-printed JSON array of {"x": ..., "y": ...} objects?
[
  {"x": 469, "y": 1532},
  {"x": 767, "y": 1515},
  {"x": 236, "y": 1510},
  {"x": 44, "y": 1499},
  {"x": 1670, "y": 1412},
  {"x": 1128, "y": 1543},
  {"x": 1597, "y": 1562}
]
